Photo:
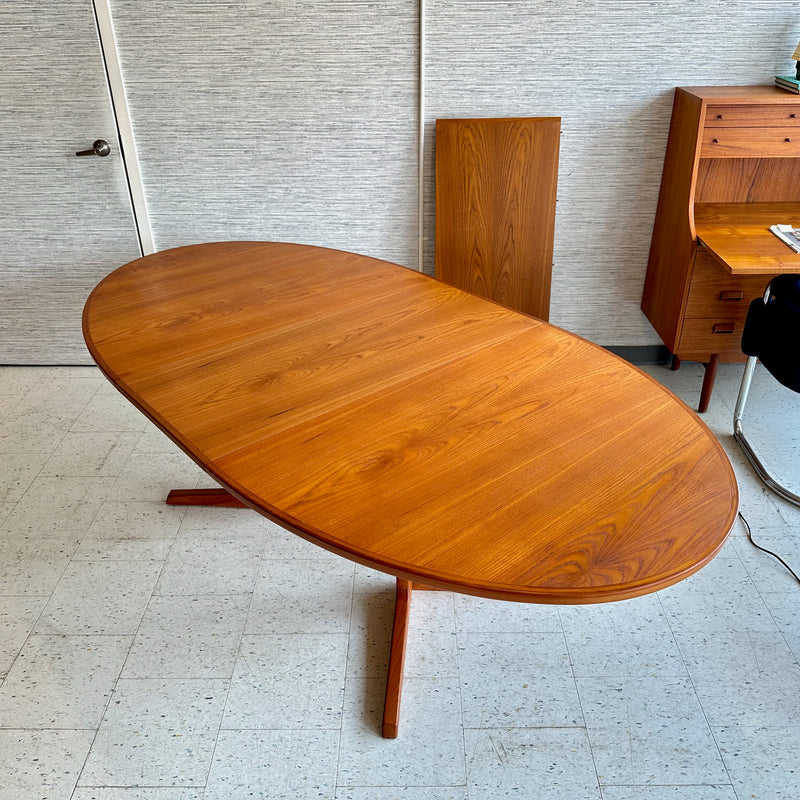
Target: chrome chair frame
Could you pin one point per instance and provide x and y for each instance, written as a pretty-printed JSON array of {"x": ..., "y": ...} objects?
[{"x": 738, "y": 431}]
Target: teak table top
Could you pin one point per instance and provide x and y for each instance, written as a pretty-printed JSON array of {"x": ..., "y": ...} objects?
[{"x": 413, "y": 427}]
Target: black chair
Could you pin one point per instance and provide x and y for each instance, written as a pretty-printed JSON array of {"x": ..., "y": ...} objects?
[{"x": 771, "y": 335}]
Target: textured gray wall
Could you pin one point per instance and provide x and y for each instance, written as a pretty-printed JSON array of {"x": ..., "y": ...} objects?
[
  {"x": 65, "y": 222},
  {"x": 298, "y": 120},
  {"x": 608, "y": 69},
  {"x": 288, "y": 121}
]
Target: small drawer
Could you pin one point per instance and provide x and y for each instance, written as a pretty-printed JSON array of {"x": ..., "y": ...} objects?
[
  {"x": 771, "y": 116},
  {"x": 711, "y": 336},
  {"x": 750, "y": 143},
  {"x": 714, "y": 292}
]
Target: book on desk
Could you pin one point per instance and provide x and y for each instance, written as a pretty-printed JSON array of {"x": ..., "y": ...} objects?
[{"x": 788, "y": 83}]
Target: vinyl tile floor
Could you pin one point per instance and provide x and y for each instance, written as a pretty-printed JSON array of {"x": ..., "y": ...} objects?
[{"x": 158, "y": 653}]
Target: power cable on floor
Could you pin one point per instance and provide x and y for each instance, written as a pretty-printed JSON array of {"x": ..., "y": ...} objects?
[{"x": 774, "y": 555}]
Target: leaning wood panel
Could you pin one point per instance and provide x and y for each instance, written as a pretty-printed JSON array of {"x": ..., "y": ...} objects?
[{"x": 496, "y": 183}]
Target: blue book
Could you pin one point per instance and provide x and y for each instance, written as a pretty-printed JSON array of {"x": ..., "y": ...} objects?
[{"x": 788, "y": 82}]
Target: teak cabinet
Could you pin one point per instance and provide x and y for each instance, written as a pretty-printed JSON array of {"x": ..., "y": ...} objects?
[{"x": 732, "y": 160}]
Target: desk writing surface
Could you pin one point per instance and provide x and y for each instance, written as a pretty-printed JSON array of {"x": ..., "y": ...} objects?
[
  {"x": 738, "y": 236},
  {"x": 413, "y": 427}
]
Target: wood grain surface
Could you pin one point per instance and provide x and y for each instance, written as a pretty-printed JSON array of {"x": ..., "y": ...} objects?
[
  {"x": 496, "y": 206},
  {"x": 412, "y": 427},
  {"x": 738, "y": 235}
]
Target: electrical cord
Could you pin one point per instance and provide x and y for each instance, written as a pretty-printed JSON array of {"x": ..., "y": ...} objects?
[{"x": 774, "y": 555}]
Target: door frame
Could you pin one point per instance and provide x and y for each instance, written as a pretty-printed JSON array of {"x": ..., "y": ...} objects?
[{"x": 119, "y": 105}]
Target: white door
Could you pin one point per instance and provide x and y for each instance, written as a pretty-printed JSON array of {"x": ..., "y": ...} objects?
[{"x": 65, "y": 220}]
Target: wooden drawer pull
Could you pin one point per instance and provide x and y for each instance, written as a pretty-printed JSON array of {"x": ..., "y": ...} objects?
[
  {"x": 731, "y": 297},
  {"x": 724, "y": 327}
]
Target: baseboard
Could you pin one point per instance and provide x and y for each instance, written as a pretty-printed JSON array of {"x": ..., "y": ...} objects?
[{"x": 642, "y": 354}]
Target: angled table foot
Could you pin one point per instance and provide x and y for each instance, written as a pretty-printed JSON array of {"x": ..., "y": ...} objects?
[
  {"x": 204, "y": 497},
  {"x": 397, "y": 655},
  {"x": 397, "y": 658}
]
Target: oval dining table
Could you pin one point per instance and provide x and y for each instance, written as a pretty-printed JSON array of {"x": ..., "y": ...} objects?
[{"x": 413, "y": 427}]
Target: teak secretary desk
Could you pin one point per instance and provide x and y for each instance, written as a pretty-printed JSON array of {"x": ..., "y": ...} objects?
[{"x": 732, "y": 169}]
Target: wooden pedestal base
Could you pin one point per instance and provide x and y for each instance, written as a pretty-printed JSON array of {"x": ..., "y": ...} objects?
[
  {"x": 221, "y": 498},
  {"x": 203, "y": 497},
  {"x": 397, "y": 656}
]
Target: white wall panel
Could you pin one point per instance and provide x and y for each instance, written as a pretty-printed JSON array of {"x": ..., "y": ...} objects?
[
  {"x": 65, "y": 222},
  {"x": 298, "y": 120},
  {"x": 288, "y": 121},
  {"x": 608, "y": 69}
]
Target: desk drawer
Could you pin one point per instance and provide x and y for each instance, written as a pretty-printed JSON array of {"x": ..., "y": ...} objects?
[
  {"x": 738, "y": 142},
  {"x": 753, "y": 116},
  {"x": 713, "y": 292},
  {"x": 711, "y": 336}
]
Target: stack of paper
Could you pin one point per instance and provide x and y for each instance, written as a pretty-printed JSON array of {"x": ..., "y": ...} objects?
[{"x": 788, "y": 234}]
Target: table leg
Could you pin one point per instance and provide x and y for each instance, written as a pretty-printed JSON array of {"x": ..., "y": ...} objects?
[
  {"x": 708, "y": 382},
  {"x": 397, "y": 658},
  {"x": 203, "y": 497},
  {"x": 397, "y": 655}
]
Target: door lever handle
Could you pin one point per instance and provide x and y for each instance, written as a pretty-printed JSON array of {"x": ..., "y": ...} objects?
[{"x": 100, "y": 148}]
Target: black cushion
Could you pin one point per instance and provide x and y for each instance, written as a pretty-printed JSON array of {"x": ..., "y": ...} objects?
[{"x": 772, "y": 331}]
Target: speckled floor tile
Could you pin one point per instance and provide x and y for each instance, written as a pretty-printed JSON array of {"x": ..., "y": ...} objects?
[
  {"x": 18, "y": 615},
  {"x": 370, "y": 630},
  {"x": 431, "y": 650},
  {"x": 127, "y": 793},
  {"x": 768, "y": 574},
  {"x": 62, "y": 681},
  {"x": 594, "y": 635},
  {"x": 719, "y": 597},
  {"x": 98, "y": 545},
  {"x": 302, "y": 596},
  {"x": 17, "y": 471},
  {"x": 52, "y": 506},
  {"x": 549, "y": 763},
  {"x": 72, "y": 389},
  {"x": 649, "y": 731},
  {"x": 91, "y": 455},
  {"x": 424, "y": 754},
  {"x": 131, "y": 531},
  {"x": 517, "y": 681},
  {"x": 32, "y": 566},
  {"x": 719, "y": 792},
  {"x": 401, "y": 793},
  {"x": 157, "y": 733},
  {"x": 783, "y": 607},
  {"x": 741, "y": 677},
  {"x": 41, "y": 764},
  {"x": 288, "y": 681},
  {"x": 108, "y": 410},
  {"x": 227, "y": 566},
  {"x": 274, "y": 765},
  {"x": 100, "y": 597},
  {"x": 26, "y": 431},
  {"x": 151, "y": 476},
  {"x": 188, "y": 637},
  {"x": 480, "y": 615},
  {"x": 18, "y": 381},
  {"x": 5, "y": 511},
  {"x": 762, "y": 761}
]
